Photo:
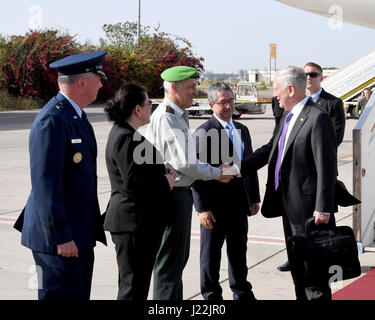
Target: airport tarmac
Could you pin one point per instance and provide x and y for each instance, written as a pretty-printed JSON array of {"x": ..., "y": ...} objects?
[{"x": 266, "y": 248}]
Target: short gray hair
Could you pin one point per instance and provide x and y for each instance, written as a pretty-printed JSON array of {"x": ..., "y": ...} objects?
[
  {"x": 292, "y": 75},
  {"x": 213, "y": 89},
  {"x": 167, "y": 86},
  {"x": 70, "y": 79}
]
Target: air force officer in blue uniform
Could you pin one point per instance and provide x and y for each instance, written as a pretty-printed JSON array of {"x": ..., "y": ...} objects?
[{"x": 61, "y": 220}]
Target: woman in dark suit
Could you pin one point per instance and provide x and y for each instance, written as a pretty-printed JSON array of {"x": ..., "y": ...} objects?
[{"x": 140, "y": 202}]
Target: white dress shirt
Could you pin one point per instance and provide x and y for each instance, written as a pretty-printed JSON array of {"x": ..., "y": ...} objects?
[
  {"x": 316, "y": 95},
  {"x": 295, "y": 111},
  {"x": 238, "y": 145}
]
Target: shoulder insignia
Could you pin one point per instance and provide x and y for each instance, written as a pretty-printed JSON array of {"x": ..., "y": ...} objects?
[
  {"x": 169, "y": 110},
  {"x": 59, "y": 106}
]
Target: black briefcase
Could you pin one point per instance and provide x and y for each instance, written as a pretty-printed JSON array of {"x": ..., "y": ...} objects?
[{"x": 327, "y": 249}]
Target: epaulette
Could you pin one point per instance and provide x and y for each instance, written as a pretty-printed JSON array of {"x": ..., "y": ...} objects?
[{"x": 169, "y": 110}]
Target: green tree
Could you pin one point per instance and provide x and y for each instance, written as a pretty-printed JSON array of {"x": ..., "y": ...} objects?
[
  {"x": 122, "y": 34},
  {"x": 156, "y": 52}
]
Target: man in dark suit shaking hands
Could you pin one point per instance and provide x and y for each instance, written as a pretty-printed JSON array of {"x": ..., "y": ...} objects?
[
  {"x": 62, "y": 217},
  {"x": 301, "y": 170},
  {"x": 223, "y": 208},
  {"x": 329, "y": 103}
]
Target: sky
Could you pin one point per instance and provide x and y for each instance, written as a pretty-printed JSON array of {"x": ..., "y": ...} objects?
[{"x": 229, "y": 35}]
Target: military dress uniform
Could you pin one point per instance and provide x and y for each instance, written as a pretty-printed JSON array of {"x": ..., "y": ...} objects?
[
  {"x": 169, "y": 132},
  {"x": 63, "y": 203}
]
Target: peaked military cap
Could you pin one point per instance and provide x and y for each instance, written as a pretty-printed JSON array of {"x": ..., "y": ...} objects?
[
  {"x": 179, "y": 73},
  {"x": 81, "y": 63}
]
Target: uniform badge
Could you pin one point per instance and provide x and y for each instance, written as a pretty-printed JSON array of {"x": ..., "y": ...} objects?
[
  {"x": 169, "y": 110},
  {"x": 77, "y": 158}
]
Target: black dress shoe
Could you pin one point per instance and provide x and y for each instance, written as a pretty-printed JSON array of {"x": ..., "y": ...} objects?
[
  {"x": 249, "y": 296},
  {"x": 284, "y": 267}
]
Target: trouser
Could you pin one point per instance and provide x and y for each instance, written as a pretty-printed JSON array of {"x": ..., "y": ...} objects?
[
  {"x": 63, "y": 278},
  {"x": 136, "y": 254},
  {"x": 233, "y": 229},
  {"x": 319, "y": 289},
  {"x": 174, "y": 250}
]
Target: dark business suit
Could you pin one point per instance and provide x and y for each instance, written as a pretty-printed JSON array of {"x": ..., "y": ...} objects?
[
  {"x": 307, "y": 180},
  {"x": 335, "y": 109},
  {"x": 139, "y": 207},
  {"x": 230, "y": 204},
  {"x": 63, "y": 204}
]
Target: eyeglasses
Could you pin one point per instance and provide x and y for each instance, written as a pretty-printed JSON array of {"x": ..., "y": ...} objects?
[
  {"x": 313, "y": 74},
  {"x": 149, "y": 104},
  {"x": 224, "y": 103}
]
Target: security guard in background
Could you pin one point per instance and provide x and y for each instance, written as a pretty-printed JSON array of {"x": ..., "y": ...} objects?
[
  {"x": 61, "y": 221},
  {"x": 169, "y": 132},
  {"x": 362, "y": 103}
]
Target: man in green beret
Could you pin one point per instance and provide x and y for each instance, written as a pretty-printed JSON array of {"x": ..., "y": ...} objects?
[{"x": 169, "y": 132}]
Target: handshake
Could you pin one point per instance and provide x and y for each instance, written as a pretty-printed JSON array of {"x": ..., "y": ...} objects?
[{"x": 227, "y": 173}]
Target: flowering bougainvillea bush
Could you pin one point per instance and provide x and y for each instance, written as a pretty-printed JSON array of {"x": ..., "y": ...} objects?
[{"x": 24, "y": 60}]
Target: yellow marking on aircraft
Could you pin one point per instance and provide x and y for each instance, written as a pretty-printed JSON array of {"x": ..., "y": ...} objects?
[
  {"x": 347, "y": 159},
  {"x": 13, "y": 148}
]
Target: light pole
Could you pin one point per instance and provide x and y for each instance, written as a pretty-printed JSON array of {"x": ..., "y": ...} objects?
[{"x": 139, "y": 22}]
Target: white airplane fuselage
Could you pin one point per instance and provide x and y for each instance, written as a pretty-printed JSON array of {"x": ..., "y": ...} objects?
[{"x": 360, "y": 12}]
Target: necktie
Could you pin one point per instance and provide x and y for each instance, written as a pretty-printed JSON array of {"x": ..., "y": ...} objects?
[
  {"x": 281, "y": 148},
  {"x": 230, "y": 129}
]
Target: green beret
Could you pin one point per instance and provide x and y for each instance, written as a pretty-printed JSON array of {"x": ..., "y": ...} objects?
[{"x": 179, "y": 73}]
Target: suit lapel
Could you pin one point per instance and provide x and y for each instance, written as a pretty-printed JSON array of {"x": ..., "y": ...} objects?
[
  {"x": 298, "y": 124},
  {"x": 214, "y": 123},
  {"x": 92, "y": 141},
  {"x": 244, "y": 139},
  {"x": 276, "y": 138},
  {"x": 321, "y": 100}
]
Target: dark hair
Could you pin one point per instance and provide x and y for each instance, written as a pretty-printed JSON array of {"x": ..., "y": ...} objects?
[
  {"x": 124, "y": 102},
  {"x": 314, "y": 65}
]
